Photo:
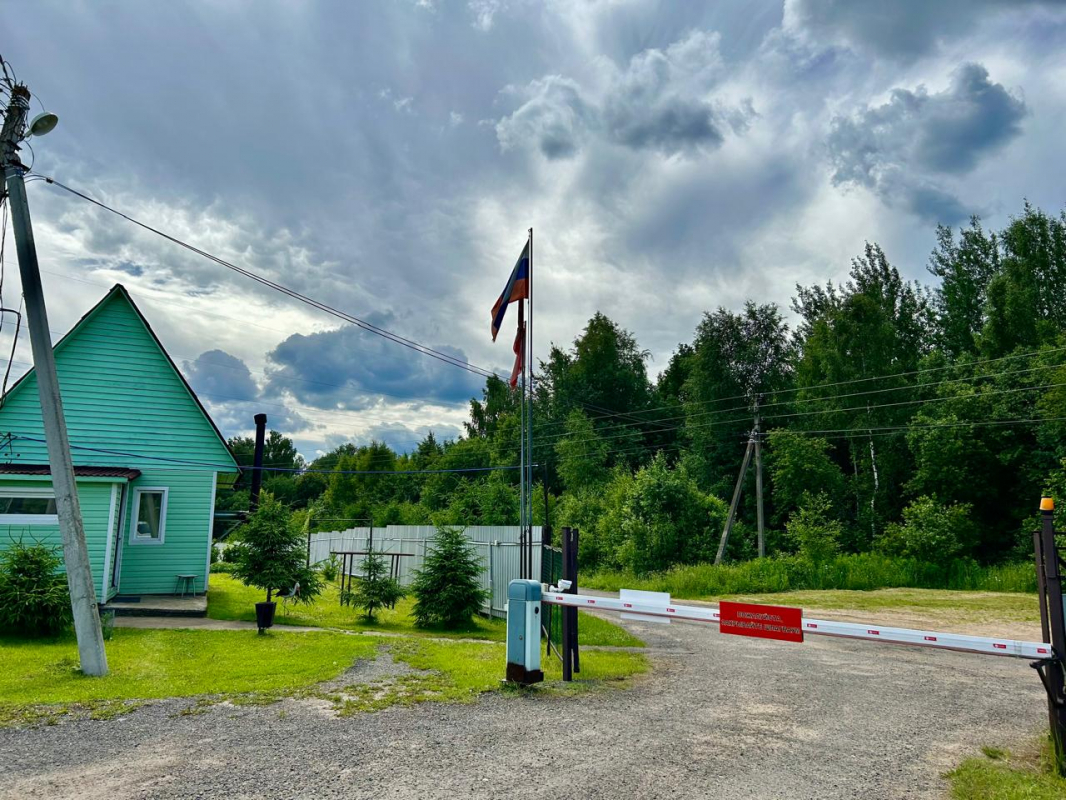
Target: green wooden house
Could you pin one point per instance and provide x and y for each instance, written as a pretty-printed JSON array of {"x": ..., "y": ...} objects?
[{"x": 147, "y": 456}]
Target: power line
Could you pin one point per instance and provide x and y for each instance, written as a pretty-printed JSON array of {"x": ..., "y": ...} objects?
[
  {"x": 682, "y": 427},
  {"x": 778, "y": 392},
  {"x": 827, "y": 398},
  {"x": 888, "y": 430},
  {"x": 361, "y": 323}
]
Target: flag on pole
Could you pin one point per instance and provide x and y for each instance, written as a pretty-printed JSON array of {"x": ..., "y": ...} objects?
[
  {"x": 517, "y": 288},
  {"x": 519, "y": 354}
]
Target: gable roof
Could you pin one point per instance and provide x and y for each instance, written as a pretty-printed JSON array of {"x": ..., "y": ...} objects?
[{"x": 119, "y": 290}]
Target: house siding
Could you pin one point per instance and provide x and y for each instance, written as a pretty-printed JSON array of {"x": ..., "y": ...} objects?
[
  {"x": 95, "y": 501},
  {"x": 153, "y": 568},
  {"x": 121, "y": 393}
]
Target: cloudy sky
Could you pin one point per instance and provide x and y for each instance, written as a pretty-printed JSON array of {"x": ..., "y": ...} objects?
[{"x": 387, "y": 158}]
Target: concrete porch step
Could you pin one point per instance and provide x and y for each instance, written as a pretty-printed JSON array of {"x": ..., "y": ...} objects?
[{"x": 159, "y": 606}]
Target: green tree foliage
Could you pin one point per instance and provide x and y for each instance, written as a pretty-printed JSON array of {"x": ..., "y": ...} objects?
[
  {"x": 375, "y": 589},
  {"x": 272, "y": 553},
  {"x": 800, "y": 465},
  {"x": 874, "y": 329},
  {"x": 582, "y": 454},
  {"x": 736, "y": 359},
  {"x": 930, "y": 532},
  {"x": 1026, "y": 306},
  {"x": 965, "y": 269},
  {"x": 448, "y": 589},
  {"x": 34, "y": 600},
  {"x": 667, "y": 520},
  {"x": 278, "y": 451},
  {"x": 812, "y": 529}
]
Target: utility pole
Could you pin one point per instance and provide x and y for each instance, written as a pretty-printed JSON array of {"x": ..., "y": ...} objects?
[
  {"x": 758, "y": 483},
  {"x": 75, "y": 553},
  {"x": 736, "y": 498}
]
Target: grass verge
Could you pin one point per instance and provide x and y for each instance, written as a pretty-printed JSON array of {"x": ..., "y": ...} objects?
[
  {"x": 862, "y": 572},
  {"x": 232, "y": 600},
  {"x": 459, "y": 672},
  {"x": 41, "y": 679},
  {"x": 1000, "y": 775}
]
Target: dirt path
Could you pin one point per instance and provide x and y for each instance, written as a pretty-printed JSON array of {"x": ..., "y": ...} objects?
[{"x": 719, "y": 717}]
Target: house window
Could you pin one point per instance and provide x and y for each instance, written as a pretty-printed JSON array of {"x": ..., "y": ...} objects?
[
  {"x": 28, "y": 507},
  {"x": 148, "y": 525}
]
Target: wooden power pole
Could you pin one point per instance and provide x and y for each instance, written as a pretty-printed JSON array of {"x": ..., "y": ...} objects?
[{"x": 754, "y": 446}]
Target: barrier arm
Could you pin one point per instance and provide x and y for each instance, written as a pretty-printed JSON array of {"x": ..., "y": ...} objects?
[{"x": 821, "y": 627}]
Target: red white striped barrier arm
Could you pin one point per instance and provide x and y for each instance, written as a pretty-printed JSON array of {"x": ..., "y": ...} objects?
[{"x": 821, "y": 627}]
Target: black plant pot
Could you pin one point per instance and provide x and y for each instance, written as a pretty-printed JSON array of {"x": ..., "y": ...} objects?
[{"x": 264, "y": 615}]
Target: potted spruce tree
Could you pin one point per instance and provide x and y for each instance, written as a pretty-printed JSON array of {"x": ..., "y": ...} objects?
[{"x": 272, "y": 556}]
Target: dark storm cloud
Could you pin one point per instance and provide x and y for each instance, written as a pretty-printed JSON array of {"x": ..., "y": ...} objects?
[
  {"x": 350, "y": 369},
  {"x": 660, "y": 102},
  {"x": 225, "y": 383},
  {"x": 897, "y": 28},
  {"x": 900, "y": 148},
  {"x": 219, "y": 376}
]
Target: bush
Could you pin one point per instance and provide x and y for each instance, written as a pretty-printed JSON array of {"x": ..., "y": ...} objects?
[
  {"x": 215, "y": 554},
  {"x": 376, "y": 589},
  {"x": 931, "y": 532},
  {"x": 272, "y": 554},
  {"x": 812, "y": 531},
  {"x": 34, "y": 599},
  {"x": 448, "y": 588},
  {"x": 329, "y": 568},
  {"x": 222, "y": 567}
]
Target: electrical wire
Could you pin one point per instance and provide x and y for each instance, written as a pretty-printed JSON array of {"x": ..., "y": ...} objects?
[
  {"x": 779, "y": 392},
  {"x": 980, "y": 396},
  {"x": 292, "y": 293}
]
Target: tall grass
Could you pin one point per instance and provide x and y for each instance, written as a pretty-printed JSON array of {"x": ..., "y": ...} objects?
[{"x": 865, "y": 571}]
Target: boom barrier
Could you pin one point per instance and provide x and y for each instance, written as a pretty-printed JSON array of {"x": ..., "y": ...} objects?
[{"x": 819, "y": 627}]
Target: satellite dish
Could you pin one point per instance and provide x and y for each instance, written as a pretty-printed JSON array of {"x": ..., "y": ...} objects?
[{"x": 43, "y": 123}]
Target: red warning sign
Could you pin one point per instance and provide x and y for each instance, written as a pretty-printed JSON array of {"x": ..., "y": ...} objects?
[{"x": 764, "y": 622}]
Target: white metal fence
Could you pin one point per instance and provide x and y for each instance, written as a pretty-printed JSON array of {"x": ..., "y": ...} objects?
[{"x": 496, "y": 545}]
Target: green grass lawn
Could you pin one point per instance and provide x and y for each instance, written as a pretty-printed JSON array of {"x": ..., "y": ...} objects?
[
  {"x": 41, "y": 680},
  {"x": 1001, "y": 776},
  {"x": 150, "y": 664},
  {"x": 231, "y": 599}
]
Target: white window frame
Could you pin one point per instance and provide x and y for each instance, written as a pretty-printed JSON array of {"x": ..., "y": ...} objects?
[
  {"x": 28, "y": 519},
  {"x": 136, "y": 540}
]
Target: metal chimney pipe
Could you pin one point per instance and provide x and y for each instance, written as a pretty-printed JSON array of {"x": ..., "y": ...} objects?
[{"x": 257, "y": 461}]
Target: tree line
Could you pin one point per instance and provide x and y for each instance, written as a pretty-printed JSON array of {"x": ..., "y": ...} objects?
[{"x": 920, "y": 420}]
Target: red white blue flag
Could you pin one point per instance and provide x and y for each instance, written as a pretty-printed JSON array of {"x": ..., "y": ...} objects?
[
  {"x": 519, "y": 354},
  {"x": 517, "y": 288}
]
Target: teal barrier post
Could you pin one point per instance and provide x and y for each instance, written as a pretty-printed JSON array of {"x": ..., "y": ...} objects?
[{"x": 523, "y": 632}]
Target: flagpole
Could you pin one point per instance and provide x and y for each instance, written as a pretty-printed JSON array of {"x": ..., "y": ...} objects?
[
  {"x": 522, "y": 570},
  {"x": 529, "y": 414}
]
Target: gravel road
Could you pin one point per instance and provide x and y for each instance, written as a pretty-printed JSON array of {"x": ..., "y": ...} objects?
[{"x": 719, "y": 717}]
